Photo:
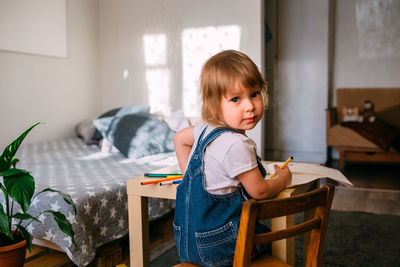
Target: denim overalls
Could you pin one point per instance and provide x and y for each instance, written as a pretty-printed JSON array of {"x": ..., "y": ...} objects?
[{"x": 206, "y": 225}]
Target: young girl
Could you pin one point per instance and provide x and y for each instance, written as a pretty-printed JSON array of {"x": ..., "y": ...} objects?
[{"x": 223, "y": 170}]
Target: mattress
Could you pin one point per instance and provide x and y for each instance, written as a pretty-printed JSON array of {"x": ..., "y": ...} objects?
[{"x": 96, "y": 181}]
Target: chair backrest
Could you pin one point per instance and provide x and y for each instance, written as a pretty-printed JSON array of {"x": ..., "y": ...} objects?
[{"x": 319, "y": 199}]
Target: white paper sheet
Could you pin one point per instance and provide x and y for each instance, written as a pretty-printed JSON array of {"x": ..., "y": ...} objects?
[{"x": 306, "y": 172}]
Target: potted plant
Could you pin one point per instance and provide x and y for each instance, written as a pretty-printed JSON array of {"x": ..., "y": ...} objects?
[{"x": 18, "y": 187}]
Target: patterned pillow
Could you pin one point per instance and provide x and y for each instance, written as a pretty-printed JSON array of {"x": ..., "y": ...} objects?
[
  {"x": 97, "y": 136},
  {"x": 136, "y": 135}
]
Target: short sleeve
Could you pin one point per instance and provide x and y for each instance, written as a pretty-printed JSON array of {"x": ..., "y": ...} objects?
[{"x": 241, "y": 157}]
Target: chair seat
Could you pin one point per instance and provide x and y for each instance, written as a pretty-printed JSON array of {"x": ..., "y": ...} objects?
[
  {"x": 267, "y": 260},
  {"x": 260, "y": 261}
]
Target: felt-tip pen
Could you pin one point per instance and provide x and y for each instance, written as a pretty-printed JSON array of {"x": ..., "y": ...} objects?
[{"x": 282, "y": 166}]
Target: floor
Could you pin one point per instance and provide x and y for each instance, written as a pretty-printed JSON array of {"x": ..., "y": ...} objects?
[
  {"x": 376, "y": 188},
  {"x": 371, "y": 175}
]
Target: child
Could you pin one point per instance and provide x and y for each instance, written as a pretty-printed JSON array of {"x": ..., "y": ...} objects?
[{"x": 223, "y": 168}]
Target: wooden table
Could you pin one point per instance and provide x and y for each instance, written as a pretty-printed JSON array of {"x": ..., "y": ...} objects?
[{"x": 139, "y": 219}]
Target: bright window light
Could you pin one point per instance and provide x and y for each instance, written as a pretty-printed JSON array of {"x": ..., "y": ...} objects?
[
  {"x": 157, "y": 74},
  {"x": 155, "y": 47},
  {"x": 199, "y": 44},
  {"x": 158, "y": 80}
]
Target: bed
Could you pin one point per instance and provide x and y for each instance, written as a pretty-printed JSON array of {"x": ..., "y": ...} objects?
[
  {"x": 360, "y": 139},
  {"x": 96, "y": 181}
]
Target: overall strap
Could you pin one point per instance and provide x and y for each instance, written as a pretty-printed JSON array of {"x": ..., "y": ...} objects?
[
  {"x": 202, "y": 143},
  {"x": 198, "y": 153},
  {"x": 261, "y": 167}
]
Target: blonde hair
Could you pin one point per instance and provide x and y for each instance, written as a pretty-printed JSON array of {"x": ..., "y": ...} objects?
[{"x": 219, "y": 74}]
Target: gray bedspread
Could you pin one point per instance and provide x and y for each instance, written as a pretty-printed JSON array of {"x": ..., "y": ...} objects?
[{"x": 96, "y": 182}]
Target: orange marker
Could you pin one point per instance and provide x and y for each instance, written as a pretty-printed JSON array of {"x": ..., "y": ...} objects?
[{"x": 169, "y": 178}]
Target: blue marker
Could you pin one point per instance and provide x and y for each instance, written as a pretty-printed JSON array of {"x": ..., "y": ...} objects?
[{"x": 171, "y": 182}]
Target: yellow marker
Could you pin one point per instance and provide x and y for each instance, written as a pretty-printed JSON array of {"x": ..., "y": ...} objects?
[{"x": 283, "y": 166}]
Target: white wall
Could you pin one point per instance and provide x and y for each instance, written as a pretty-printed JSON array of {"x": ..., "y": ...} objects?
[
  {"x": 35, "y": 27},
  {"x": 124, "y": 23},
  {"x": 367, "y": 46},
  {"x": 58, "y": 91},
  {"x": 299, "y": 69}
]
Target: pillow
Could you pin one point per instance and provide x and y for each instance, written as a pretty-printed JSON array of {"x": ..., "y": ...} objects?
[
  {"x": 133, "y": 109},
  {"x": 136, "y": 135},
  {"x": 106, "y": 147},
  {"x": 86, "y": 130},
  {"x": 176, "y": 121},
  {"x": 97, "y": 136}
]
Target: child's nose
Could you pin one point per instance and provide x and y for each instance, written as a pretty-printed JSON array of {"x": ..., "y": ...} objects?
[{"x": 249, "y": 105}]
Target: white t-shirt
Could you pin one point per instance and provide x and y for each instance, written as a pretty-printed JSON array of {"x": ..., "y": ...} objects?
[{"x": 227, "y": 156}]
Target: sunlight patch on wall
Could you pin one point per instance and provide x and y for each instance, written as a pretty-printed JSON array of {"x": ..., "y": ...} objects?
[
  {"x": 157, "y": 74},
  {"x": 199, "y": 44},
  {"x": 155, "y": 46},
  {"x": 158, "y": 80}
]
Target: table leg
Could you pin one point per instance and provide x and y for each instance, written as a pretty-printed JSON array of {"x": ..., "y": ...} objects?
[
  {"x": 138, "y": 231},
  {"x": 283, "y": 249}
]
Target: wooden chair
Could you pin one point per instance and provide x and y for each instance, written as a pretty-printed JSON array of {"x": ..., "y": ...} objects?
[{"x": 319, "y": 199}]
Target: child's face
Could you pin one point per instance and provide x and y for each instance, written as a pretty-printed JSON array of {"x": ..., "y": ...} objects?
[{"x": 242, "y": 108}]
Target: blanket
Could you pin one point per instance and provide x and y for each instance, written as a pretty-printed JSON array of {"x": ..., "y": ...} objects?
[{"x": 380, "y": 133}]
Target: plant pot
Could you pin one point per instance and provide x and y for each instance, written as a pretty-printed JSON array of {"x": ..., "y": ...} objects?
[{"x": 13, "y": 255}]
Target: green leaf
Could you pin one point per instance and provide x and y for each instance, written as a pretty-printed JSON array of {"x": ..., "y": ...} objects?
[
  {"x": 4, "y": 226},
  {"x": 6, "y": 158},
  {"x": 20, "y": 187},
  {"x": 24, "y": 216},
  {"x": 14, "y": 162},
  {"x": 13, "y": 171},
  {"x": 25, "y": 234},
  {"x": 4, "y": 191},
  {"x": 63, "y": 224},
  {"x": 67, "y": 198}
]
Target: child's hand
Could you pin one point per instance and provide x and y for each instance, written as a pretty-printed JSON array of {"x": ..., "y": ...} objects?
[{"x": 285, "y": 174}]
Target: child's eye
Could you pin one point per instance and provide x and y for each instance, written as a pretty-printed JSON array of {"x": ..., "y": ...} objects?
[
  {"x": 235, "y": 99},
  {"x": 255, "y": 94}
]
